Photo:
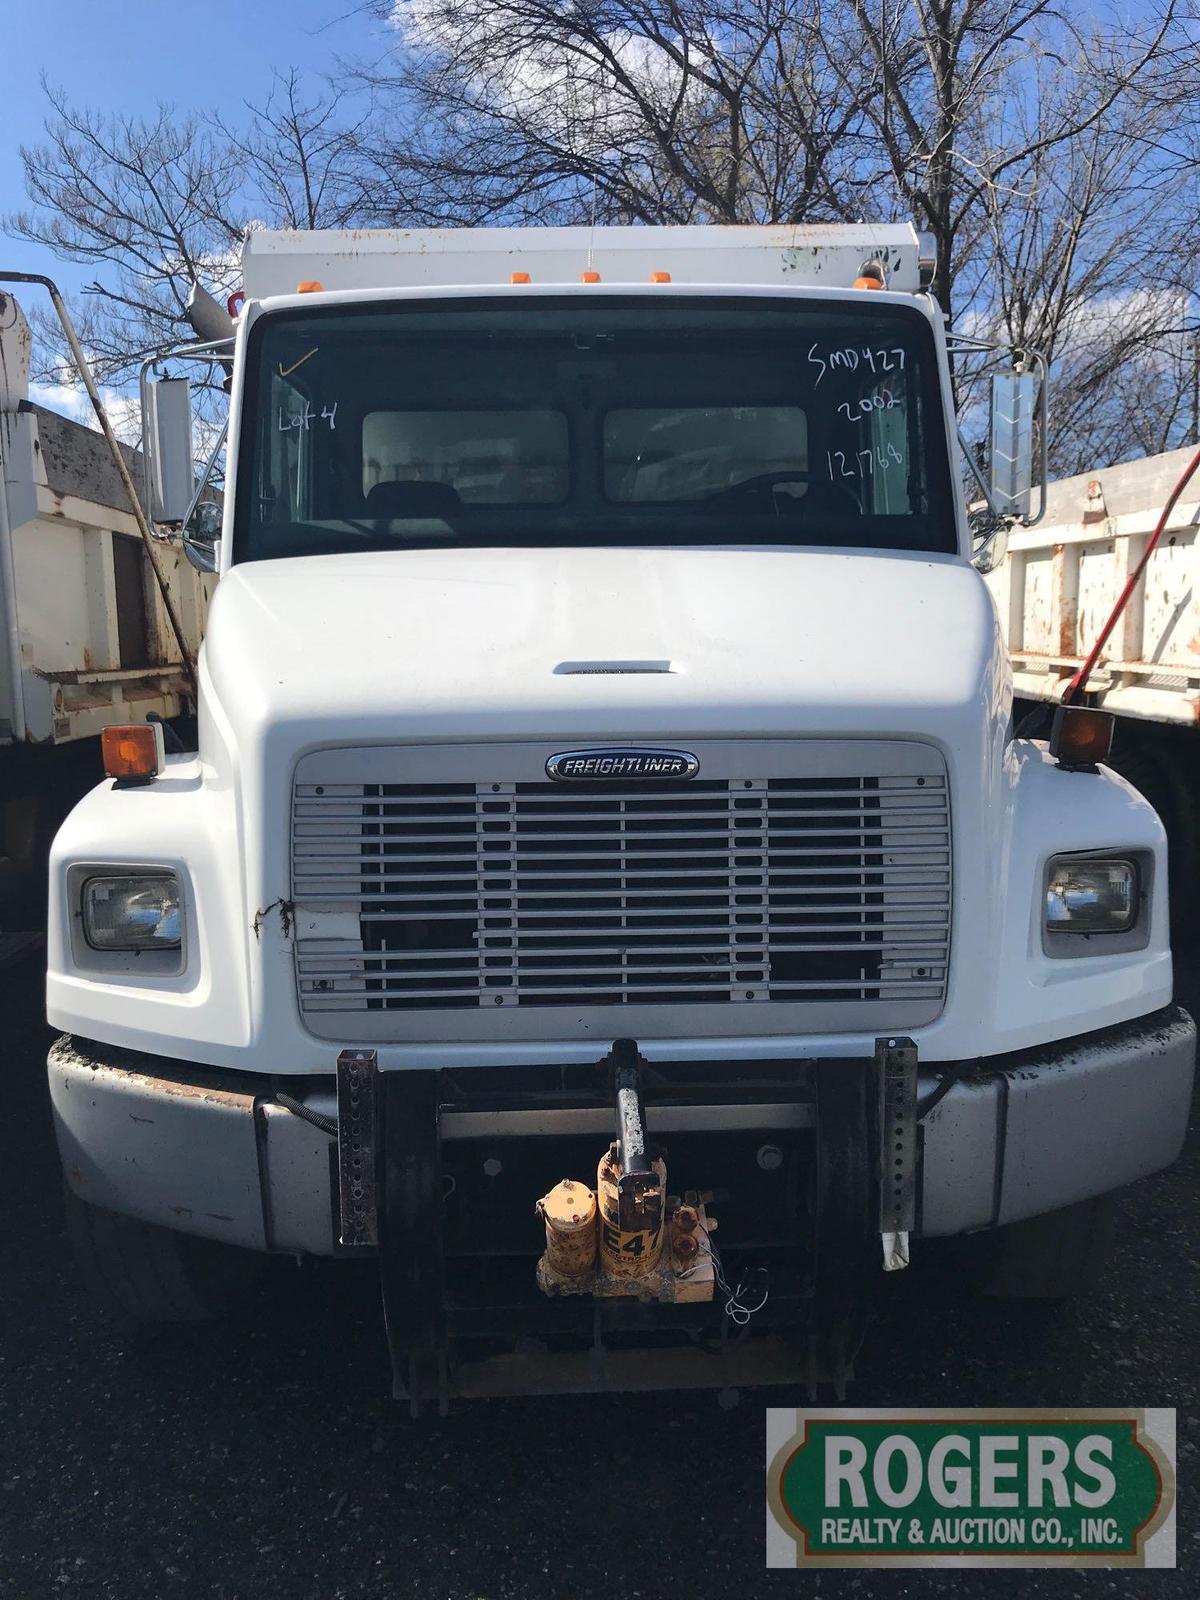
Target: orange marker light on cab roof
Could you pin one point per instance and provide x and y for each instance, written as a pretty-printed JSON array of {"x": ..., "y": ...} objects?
[
  {"x": 310, "y": 286},
  {"x": 660, "y": 277},
  {"x": 133, "y": 754},
  {"x": 589, "y": 277},
  {"x": 519, "y": 277},
  {"x": 871, "y": 276}
]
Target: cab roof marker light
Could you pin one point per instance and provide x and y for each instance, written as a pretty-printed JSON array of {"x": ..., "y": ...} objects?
[
  {"x": 589, "y": 277},
  {"x": 660, "y": 277},
  {"x": 519, "y": 277},
  {"x": 310, "y": 286},
  {"x": 871, "y": 276}
]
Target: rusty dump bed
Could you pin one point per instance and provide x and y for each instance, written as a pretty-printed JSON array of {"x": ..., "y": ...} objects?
[
  {"x": 97, "y": 645},
  {"x": 1060, "y": 580}
]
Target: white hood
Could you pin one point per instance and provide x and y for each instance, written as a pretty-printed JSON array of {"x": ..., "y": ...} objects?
[{"x": 472, "y": 644}]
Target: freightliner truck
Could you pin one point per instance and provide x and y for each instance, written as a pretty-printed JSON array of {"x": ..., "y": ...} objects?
[{"x": 609, "y": 890}]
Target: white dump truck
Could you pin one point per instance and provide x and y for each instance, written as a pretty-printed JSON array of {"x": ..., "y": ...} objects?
[
  {"x": 608, "y": 890},
  {"x": 87, "y": 641}
]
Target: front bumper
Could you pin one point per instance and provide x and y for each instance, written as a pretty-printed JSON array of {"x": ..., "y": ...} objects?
[{"x": 217, "y": 1155}]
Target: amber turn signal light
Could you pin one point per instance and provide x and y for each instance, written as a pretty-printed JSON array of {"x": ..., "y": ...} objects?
[
  {"x": 134, "y": 754},
  {"x": 1080, "y": 736}
]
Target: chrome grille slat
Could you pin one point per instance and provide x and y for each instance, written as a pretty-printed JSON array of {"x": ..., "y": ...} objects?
[
  {"x": 652, "y": 940},
  {"x": 373, "y": 895},
  {"x": 318, "y": 966},
  {"x": 740, "y": 890},
  {"x": 348, "y": 1001}
]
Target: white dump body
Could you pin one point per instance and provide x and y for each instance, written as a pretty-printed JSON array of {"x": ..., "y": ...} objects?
[
  {"x": 1060, "y": 580},
  {"x": 85, "y": 641},
  {"x": 275, "y": 263}
]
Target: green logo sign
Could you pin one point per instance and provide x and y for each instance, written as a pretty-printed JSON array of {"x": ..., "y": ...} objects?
[{"x": 972, "y": 1487}]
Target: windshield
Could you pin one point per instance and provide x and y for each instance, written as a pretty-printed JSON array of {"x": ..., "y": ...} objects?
[{"x": 665, "y": 420}]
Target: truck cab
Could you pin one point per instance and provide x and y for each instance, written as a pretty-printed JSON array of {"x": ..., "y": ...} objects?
[{"x": 606, "y": 777}]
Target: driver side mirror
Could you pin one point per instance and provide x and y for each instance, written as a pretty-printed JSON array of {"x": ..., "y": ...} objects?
[{"x": 167, "y": 436}]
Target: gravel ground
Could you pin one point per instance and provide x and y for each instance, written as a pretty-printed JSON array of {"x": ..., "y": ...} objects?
[{"x": 266, "y": 1459}]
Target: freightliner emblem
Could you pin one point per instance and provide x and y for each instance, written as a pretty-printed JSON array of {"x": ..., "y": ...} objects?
[{"x": 620, "y": 766}]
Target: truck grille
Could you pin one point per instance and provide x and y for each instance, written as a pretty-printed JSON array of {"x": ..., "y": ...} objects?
[{"x": 739, "y": 891}]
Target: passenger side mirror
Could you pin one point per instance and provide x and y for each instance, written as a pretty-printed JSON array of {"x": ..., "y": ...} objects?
[
  {"x": 1014, "y": 401},
  {"x": 200, "y": 536},
  {"x": 167, "y": 443}
]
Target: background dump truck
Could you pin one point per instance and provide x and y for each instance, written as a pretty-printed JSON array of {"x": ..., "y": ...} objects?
[
  {"x": 1054, "y": 592},
  {"x": 608, "y": 892},
  {"x": 86, "y": 642}
]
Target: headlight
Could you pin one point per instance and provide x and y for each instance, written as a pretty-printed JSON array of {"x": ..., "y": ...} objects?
[
  {"x": 1091, "y": 895},
  {"x": 133, "y": 911}
]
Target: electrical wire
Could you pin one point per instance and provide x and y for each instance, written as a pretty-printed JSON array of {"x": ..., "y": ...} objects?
[
  {"x": 298, "y": 1109},
  {"x": 735, "y": 1308}
]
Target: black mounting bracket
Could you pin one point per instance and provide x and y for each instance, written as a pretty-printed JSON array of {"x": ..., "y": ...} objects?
[
  {"x": 411, "y": 1253},
  {"x": 358, "y": 1177},
  {"x": 896, "y": 1072}
]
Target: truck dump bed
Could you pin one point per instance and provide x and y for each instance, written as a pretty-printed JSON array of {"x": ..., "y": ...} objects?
[
  {"x": 89, "y": 642},
  {"x": 1060, "y": 580}
]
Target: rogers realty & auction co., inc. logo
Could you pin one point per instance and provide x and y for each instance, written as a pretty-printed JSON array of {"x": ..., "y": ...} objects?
[{"x": 972, "y": 1487}]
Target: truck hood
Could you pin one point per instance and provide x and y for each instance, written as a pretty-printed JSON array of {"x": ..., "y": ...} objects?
[{"x": 602, "y": 644}]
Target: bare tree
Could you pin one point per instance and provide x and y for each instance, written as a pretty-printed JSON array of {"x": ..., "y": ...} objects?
[
  {"x": 150, "y": 203},
  {"x": 1029, "y": 139},
  {"x": 746, "y": 111},
  {"x": 1054, "y": 156},
  {"x": 156, "y": 204},
  {"x": 302, "y": 155},
  {"x": 958, "y": 79},
  {"x": 669, "y": 111},
  {"x": 1084, "y": 253}
]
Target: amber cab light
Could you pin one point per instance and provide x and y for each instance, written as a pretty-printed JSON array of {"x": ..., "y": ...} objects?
[
  {"x": 133, "y": 754},
  {"x": 1081, "y": 736},
  {"x": 310, "y": 286},
  {"x": 660, "y": 277},
  {"x": 519, "y": 277},
  {"x": 589, "y": 277}
]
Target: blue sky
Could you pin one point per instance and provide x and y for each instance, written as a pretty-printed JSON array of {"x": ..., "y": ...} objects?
[{"x": 125, "y": 57}]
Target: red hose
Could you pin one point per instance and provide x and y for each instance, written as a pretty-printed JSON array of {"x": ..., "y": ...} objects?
[{"x": 1076, "y": 686}]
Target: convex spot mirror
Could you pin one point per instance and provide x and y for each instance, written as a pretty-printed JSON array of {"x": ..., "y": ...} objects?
[
  {"x": 201, "y": 534},
  {"x": 989, "y": 541}
]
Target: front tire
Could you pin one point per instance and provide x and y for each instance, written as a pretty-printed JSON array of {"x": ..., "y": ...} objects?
[{"x": 138, "y": 1272}]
